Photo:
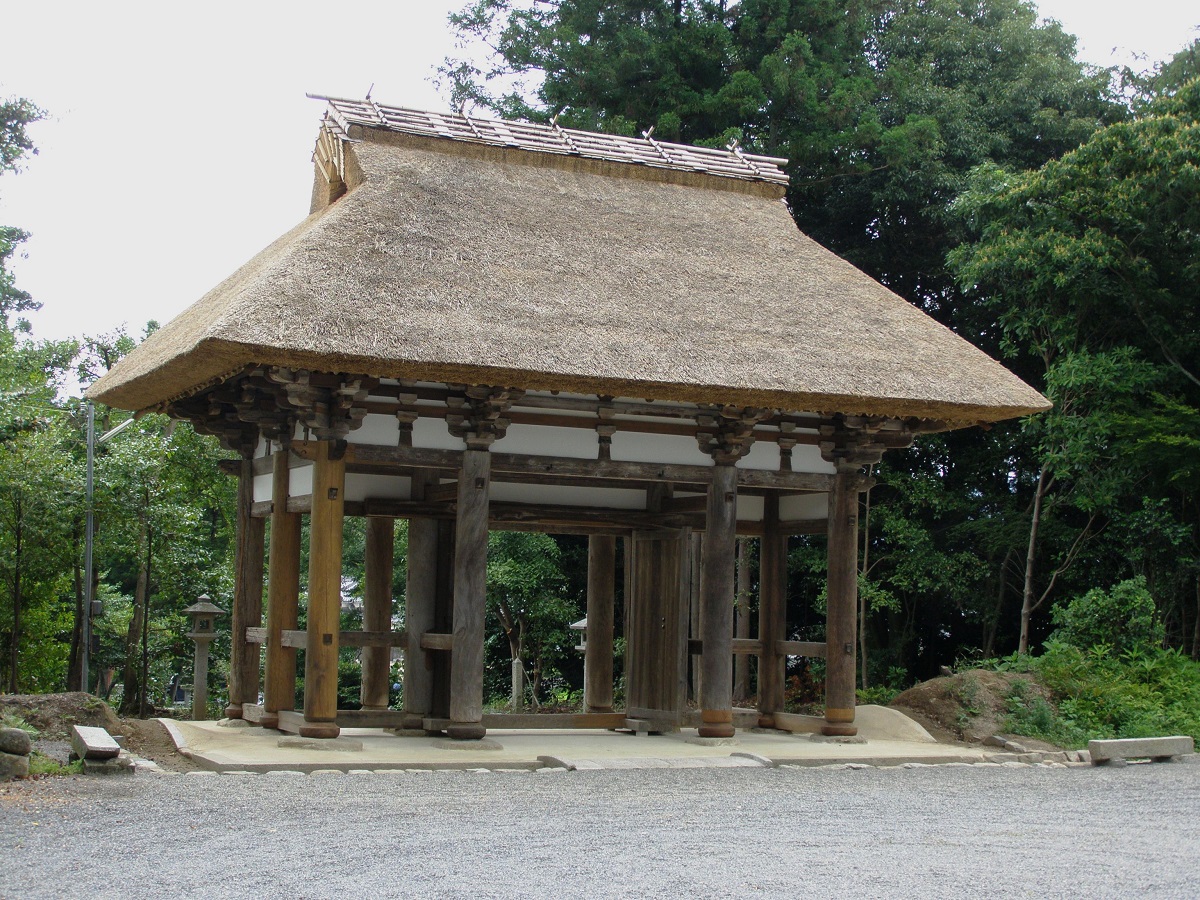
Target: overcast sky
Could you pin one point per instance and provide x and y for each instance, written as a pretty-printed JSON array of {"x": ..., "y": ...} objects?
[{"x": 179, "y": 139}]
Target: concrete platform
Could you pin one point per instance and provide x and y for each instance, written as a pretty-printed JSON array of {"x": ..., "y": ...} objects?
[{"x": 888, "y": 741}]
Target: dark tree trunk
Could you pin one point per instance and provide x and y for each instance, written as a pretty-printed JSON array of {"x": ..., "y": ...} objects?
[
  {"x": 75, "y": 660},
  {"x": 15, "y": 658}
]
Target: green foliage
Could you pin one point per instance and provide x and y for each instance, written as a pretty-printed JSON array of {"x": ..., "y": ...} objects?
[
  {"x": 1123, "y": 619},
  {"x": 42, "y": 766}
]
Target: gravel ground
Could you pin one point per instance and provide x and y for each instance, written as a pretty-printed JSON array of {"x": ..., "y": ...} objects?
[{"x": 944, "y": 831}]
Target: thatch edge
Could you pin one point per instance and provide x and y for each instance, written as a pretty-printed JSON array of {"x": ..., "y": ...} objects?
[{"x": 222, "y": 358}]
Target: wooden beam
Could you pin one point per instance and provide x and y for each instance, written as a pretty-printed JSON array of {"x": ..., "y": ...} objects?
[
  {"x": 256, "y": 636},
  {"x": 470, "y": 596},
  {"x": 324, "y": 594},
  {"x": 432, "y": 640},
  {"x": 296, "y": 640},
  {"x": 377, "y": 611},
  {"x": 716, "y": 601},
  {"x": 283, "y": 596},
  {"x": 811, "y": 649},
  {"x": 383, "y": 458},
  {"x": 601, "y": 598}
]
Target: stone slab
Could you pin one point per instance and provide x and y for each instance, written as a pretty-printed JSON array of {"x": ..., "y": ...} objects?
[
  {"x": 1140, "y": 748},
  {"x": 328, "y": 745},
  {"x": 88, "y": 742},
  {"x": 117, "y": 765}
]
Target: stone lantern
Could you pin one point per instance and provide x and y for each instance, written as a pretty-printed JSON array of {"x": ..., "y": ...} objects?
[{"x": 203, "y": 613}]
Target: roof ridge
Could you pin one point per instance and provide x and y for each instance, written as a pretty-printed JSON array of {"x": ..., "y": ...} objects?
[{"x": 555, "y": 139}]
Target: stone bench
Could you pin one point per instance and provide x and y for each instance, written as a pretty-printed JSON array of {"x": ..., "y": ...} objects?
[
  {"x": 100, "y": 753},
  {"x": 1158, "y": 749}
]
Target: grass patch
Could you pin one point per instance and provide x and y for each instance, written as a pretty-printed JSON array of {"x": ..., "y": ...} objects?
[
  {"x": 1098, "y": 693},
  {"x": 41, "y": 765}
]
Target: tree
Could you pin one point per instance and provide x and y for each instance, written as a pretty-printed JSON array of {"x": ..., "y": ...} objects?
[
  {"x": 525, "y": 587},
  {"x": 1091, "y": 266}
]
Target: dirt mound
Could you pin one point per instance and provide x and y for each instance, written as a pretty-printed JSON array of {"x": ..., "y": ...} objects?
[
  {"x": 969, "y": 706},
  {"x": 54, "y": 714}
]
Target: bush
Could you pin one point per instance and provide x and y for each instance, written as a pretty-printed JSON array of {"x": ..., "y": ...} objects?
[{"x": 1122, "y": 618}]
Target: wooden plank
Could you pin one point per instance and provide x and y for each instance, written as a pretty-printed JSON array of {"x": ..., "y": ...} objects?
[
  {"x": 433, "y": 641},
  {"x": 324, "y": 594},
  {"x": 532, "y": 721},
  {"x": 441, "y": 493},
  {"x": 803, "y": 526},
  {"x": 470, "y": 595},
  {"x": 371, "y": 718},
  {"x": 256, "y": 636},
  {"x": 283, "y": 596},
  {"x": 798, "y": 724},
  {"x": 296, "y": 640},
  {"x": 717, "y": 594},
  {"x": 373, "y": 639},
  {"x": 812, "y": 649},
  {"x": 290, "y": 721},
  {"x": 601, "y": 597},
  {"x": 377, "y": 612}
]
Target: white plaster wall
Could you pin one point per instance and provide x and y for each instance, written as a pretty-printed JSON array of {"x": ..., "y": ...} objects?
[
  {"x": 762, "y": 455},
  {"x": 549, "y": 440},
  {"x": 807, "y": 458},
  {"x": 300, "y": 481},
  {"x": 750, "y": 509},
  {"x": 804, "y": 506},
  {"x": 376, "y": 429},
  {"x": 262, "y": 487},
  {"x": 391, "y": 487},
  {"x": 634, "y": 446},
  {"x": 434, "y": 434}
]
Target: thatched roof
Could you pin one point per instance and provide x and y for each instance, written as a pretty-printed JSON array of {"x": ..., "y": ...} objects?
[{"x": 460, "y": 261}]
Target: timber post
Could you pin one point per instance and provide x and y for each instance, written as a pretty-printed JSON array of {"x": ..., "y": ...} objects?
[
  {"x": 601, "y": 596},
  {"x": 377, "y": 610},
  {"x": 727, "y": 436},
  {"x": 772, "y": 614},
  {"x": 420, "y": 595},
  {"x": 247, "y": 592},
  {"x": 478, "y": 418},
  {"x": 324, "y": 591},
  {"x": 850, "y": 444},
  {"x": 283, "y": 596}
]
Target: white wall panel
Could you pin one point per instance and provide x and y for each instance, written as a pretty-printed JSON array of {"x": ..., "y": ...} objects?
[
  {"x": 434, "y": 434},
  {"x": 391, "y": 487},
  {"x": 804, "y": 506},
  {"x": 376, "y": 429},
  {"x": 633, "y": 446},
  {"x": 549, "y": 440}
]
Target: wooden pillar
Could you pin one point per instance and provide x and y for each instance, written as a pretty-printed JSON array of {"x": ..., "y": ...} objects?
[
  {"x": 377, "y": 610},
  {"x": 741, "y": 662},
  {"x": 247, "y": 594},
  {"x": 772, "y": 614},
  {"x": 470, "y": 596},
  {"x": 841, "y": 604},
  {"x": 716, "y": 601},
  {"x": 419, "y": 600},
  {"x": 324, "y": 594},
  {"x": 283, "y": 597},
  {"x": 601, "y": 595}
]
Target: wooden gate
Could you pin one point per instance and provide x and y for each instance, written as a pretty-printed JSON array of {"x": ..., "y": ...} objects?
[{"x": 657, "y": 630}]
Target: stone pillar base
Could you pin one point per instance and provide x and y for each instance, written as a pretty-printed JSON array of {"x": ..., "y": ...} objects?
[
  {"x": 319, "y": 730},
  {"x": 466, "y": 731},
  {"x": 716, "y": 723}
]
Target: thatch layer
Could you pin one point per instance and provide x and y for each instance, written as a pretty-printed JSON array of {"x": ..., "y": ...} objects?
[{"x": 447, "y": 267}]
